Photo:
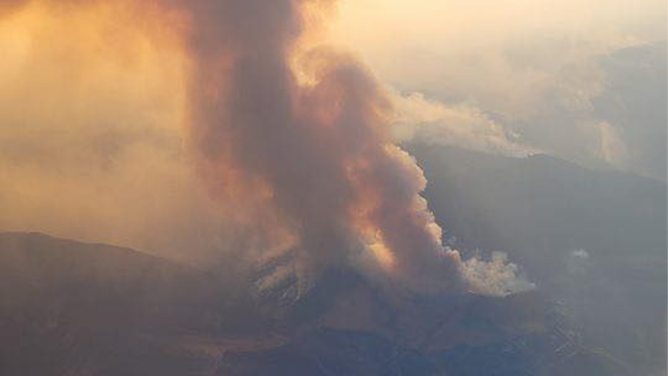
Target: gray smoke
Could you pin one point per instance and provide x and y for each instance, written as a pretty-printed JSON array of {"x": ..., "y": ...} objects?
[{"x": 300, "y": 144}]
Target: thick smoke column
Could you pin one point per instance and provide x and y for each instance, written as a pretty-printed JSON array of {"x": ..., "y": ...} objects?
[
  {"x": 320, "y": 151},
  {"x": 301, "y": 143}
]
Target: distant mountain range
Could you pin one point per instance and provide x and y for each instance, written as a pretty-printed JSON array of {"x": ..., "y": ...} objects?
[
  {"x": 540, "y": 206},
  {"x": 69, "y": 308},
  {"x": 593, "y": 240}
]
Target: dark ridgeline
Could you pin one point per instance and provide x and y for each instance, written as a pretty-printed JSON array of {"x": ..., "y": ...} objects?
[{"x": 73, "y": 308}]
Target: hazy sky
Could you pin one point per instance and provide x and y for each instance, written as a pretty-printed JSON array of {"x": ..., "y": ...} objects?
[
  {"x": 584, "y": 80},
  {"x": 157, "y": 125},
  {"x": 195, "y": 128}
]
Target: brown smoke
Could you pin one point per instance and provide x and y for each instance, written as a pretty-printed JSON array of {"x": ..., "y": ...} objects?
[
  {"x": 300, "y": 142},
  {"x": 318, "y": 147}
]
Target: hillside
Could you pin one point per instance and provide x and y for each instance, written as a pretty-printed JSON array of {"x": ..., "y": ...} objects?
[
  {"x": 70, "y": 308},
  {"x": 593, "y": 240}
]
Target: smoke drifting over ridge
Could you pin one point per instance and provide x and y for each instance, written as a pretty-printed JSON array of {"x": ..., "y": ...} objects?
[{"x": 300, "y": 143}]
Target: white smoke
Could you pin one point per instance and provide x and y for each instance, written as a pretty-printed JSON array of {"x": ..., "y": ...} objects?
[
  {"x": 424, "y": 120},
  {"x": 496, "y": 277}
]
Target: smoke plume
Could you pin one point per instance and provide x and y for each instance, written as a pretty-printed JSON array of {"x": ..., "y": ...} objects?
[
  {"x": 298, "y": 143},
  {"x": 317, "y": 147}
]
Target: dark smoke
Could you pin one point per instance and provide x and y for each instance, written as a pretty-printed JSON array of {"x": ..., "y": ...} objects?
[
  {"x": 302, "y": 143},
  {"x": 322, "y": 150}
]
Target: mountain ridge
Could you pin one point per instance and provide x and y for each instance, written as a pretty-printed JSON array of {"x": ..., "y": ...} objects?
[{"x": 79, "y": 330}]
